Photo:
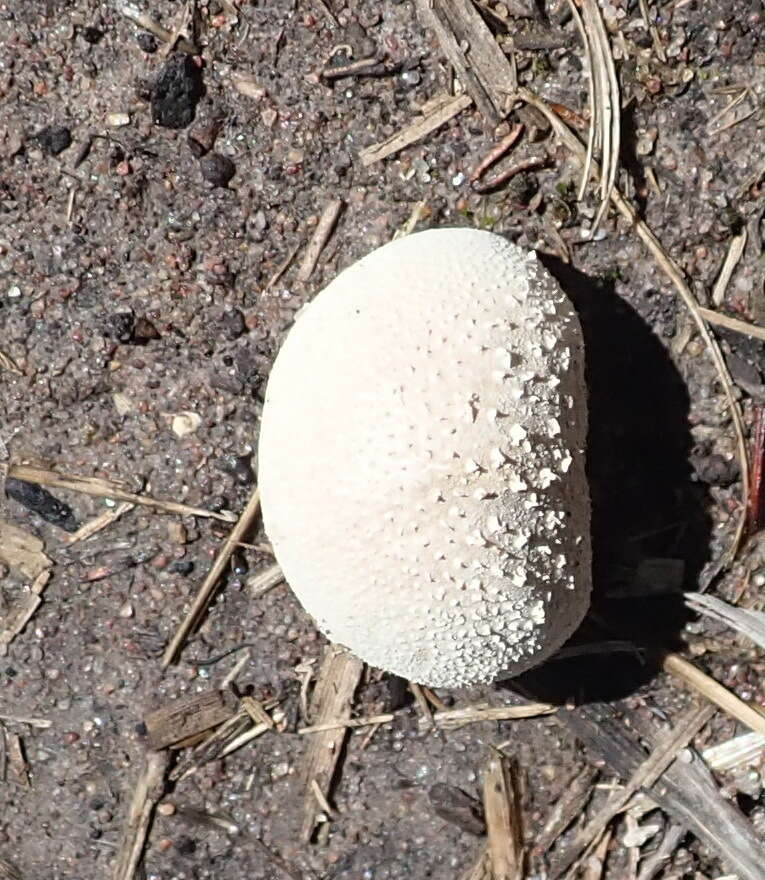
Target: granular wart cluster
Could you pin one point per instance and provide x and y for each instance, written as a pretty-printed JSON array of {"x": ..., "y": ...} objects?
[{"x": 421, "y": 460}]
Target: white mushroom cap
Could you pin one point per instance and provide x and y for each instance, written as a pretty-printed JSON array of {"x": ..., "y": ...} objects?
[{"x": 421, "y": 459}]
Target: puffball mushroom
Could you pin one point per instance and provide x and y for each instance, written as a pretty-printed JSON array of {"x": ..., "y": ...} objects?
[{"x": 421, "y": 459}]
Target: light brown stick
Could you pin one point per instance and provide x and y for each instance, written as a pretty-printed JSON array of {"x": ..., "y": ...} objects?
[
  {"x": 105, "y": 489},
  {"x": 319, "y": 238},
  {"x": 207, "y": 589},
  {"x": 713, "y": 691},
  {"x": 147, "y": 793}
]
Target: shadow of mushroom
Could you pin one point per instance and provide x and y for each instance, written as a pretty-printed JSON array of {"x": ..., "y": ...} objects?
[{"x": 650, "y": 528}]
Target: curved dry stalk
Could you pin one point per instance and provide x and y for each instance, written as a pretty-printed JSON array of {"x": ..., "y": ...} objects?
[
  {"x": 572, "y": 142},
  {"x": 609, "y": 108},
  {"x": 590, "y": 99}
]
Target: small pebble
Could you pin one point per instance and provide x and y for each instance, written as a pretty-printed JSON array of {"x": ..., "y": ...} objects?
[
  {"x": 166, "y": 808},
  {"x": 117, "y": 120},
  {"x": 176, "y": 92},
  {"x": 92, "y": 34},
  {"x": 146, "y": 43},
  {"x": 217, "y": 169}
]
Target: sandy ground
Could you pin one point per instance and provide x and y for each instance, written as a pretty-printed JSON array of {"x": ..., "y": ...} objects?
[{"x": 136, "y": 303}]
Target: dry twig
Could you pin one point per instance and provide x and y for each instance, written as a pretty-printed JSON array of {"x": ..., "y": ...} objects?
[
  {"x": 570, "y": 804},
  {"x": 644, "y": 777},
  {"x": 7, "y": 363},
  {"x": 496, "y": 153},
  {"x": 733, "y": 255},
  {"x": 503, "y": 820},
  {"x": 102, "y": 521},
  {"x": 347, "y": 722},
  {"x": 263, "y": 581},
  {"x": 319, "y": 238},
  {"x": 207, "y": 589},
  {"x": 434, "y": 116},
  {"x": 471, "y": 49},
  {"x": 453, "y": 718},
  {"x": 734, "y": 324},
  {"x": 147, "y": 793},
  {"x": 101, "y": 488},
  {"x": 713, "y": 691},
  {"x": 332, "y": 698}
]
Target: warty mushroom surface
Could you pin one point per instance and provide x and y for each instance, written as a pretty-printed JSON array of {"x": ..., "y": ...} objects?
[{"x": 422, "y": 459}]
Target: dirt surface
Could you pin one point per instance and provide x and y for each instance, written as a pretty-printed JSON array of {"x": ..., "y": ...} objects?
[{"x": 135, "y": 289}]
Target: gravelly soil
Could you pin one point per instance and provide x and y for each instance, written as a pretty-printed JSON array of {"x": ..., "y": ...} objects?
[{"x": 134, "y": 289}]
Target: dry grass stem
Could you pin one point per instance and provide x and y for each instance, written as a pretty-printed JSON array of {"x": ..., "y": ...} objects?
[
  {"x": 647, "y": 773},
  {"x": 16, "y": 759},
  {"x": 503, "y": 820},
  {"x": 453, "y": 718},
  {"x": 473, "y": 52},
  {"x": 332, "y": 698},
  {"x": 569, "y": 806},
  {"x": 7, "y": 363},
  {"x": 319, "y": 239},
  {"x": 434, "y": 117},
  {"x": 734, "y": 254},
  {"x": 101, "y": 488},
  {"x": 257, "y": 711},
  {"x": 185, "y": 717},
  {"x": 734, "y": 324},
  {"x": 40, "y": 723},
  {"x": 607, "y": 110},
  {"x": 745, "y": 621},
  {"x": 748, "y": 748},
  {"x": 658, "y": 46},
  {"x": 282, "y": 268},
  {"x": 246, "y": 736},
  {"x": 419, "y": 210},
  {"x": 426, "y": 716},
  {"x": 102, "y": 521},
  {"x": 209, "y": 584},
  {"x": 593, "y": 121},
  {"x": 349, "y": 723},
  {"x": 321, "y": 800},
  {"x": 9, "y": 871},
  {"x": 572, "y": 142},
  {"x": 147, "y": 793},
  {"x": 23, "y": 611},
  {"x": 235, "y": 670},
  {"x": 263, "y": 581},
  {"x": 713, "y": 691}
]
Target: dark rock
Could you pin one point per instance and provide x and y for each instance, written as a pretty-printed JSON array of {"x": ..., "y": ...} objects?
[
  {"x": 452, "y": 805},
  {"x": 185, "y": 845},
  {"x": 182, "y": 567},
  {"x": 202, "y": 139},
  {"x": 217, "y": 169},
  {"x": 92, "y": 35},
  {"x": 54, "y": 139},
  {"x": 41, "y": 502},
  {"x": 233, "y": 324},
  {"x": 144, "y": 331},
  {"x": 120, "y": 325},
  {"x": 146, "y": 43},
  {"x": 176, "y": 92}
]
